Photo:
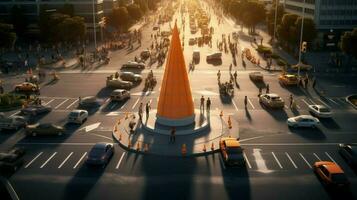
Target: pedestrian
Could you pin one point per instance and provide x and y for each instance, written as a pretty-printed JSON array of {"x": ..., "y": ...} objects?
[
  {"x": 314, "y": 83},
  {"x": 291, "y": 100},
  {"x": 79, "y": 100},
  {"x": 306, "y": 80},
  {"x": 173, "y": 135},
  {"x": 208, "y": 104},
  {"x": 147, "y": 108},
  {"x": 140, "y": 112},
  {"x": 267, "y": 88},
  {"x": 219, "y": 75},
  {"x": 260, "y": 91},
  {"x": 235, "y": 76},
  {"x": 202, "y": 105},
  {"x": 230, "y": 67},
  {"x": 245, "y": 102}
]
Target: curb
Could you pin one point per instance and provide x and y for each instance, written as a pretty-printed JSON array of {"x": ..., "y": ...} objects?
[{"x": 347, "y": 99}]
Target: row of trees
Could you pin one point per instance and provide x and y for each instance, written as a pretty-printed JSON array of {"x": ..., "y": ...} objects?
[
  {"x": 348, "y": 43},
  {"x": 125, "y": 15}
]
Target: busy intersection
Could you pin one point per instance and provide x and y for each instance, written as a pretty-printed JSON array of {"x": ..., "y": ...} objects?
[{"x": 279, "y": 159}]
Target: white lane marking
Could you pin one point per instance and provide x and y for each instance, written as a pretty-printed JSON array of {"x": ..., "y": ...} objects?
[
  {"x": 72, "y": 104},
  {"x": 333, "y": 101},
  {"x": 33, "y": 160},
  {"x": 113, "y": 106},
  {"x": 286, "y": 107},
  {"x": 324, "y": 103},
  {"x": 312, "y": 101},
  {"x": 303, "y": 100},
  {"x": 59, "y": 105},
  {"x": 65, "y": 160},
  {"x": 247, "y": 161},
  {"x": 123, "y": 105},
  {"x": 251, "y": 104},
  {"x": 48, "y": 102},
  {"x": 291, "y": 160},
  {"x": 84, "y": 154},
  {"x": 262, "y": 167},
  {"x": 298, "y": 106},
  {"x": 276, "y": 159},
  {"x": 234, "y": 104},
  {"x": 136, "y": 102},
  {"x": 15, "y": 113},
  {"x": 328, "y": 155},
  {"x": 48, "y": 160},
  {"x": 317, "y": 156},
  {"x": 308, "y": 164},
  {"x": 119, "y": 162}
]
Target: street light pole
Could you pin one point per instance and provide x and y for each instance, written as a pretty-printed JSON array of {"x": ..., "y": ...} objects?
[
  {"x": 276, "y": 16},
  {"x": 301, "y": 33},
  {"x": 94, "y": 27}
]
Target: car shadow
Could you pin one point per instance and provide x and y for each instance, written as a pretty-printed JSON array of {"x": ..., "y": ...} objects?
[
  {"x": 113, "y": 105},
  {"x": 104, "y": 92},
  {"x": 82, "y": 182},
  {"x": 329, "y": 123},
  {"x": 296, "y": 90},
  {"x": 278, "y": 114},
  {"x": 225, "y": 99},
  {"x": 309, "y": 133}
]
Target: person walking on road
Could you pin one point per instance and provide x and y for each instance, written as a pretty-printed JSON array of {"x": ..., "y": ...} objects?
[
  {"x": 235, "y": 76},
  {"x": 291, "y": 100},
  {"x": 208, "y": 104},
  {"x": 219, "y": 75},
  {"x": 140, "y": 112},
  {"x": 245, "y": 102},
  {"x": 147, "y": 108},
  {"x": 314, "y": 83},
  {"x": 173, "y": 135},
  {"x": 260, "y": 91},
  {"x": 230, "y": 67},
  {"x": 202, "y": 105},
  {"x": 267, "y": 88}
]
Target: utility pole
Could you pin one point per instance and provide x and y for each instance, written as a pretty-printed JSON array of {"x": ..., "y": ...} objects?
[
  {"x": 94, "y": 28},
  {"x": 276, "y": 16},
  {"x": 301, "y": 33}
]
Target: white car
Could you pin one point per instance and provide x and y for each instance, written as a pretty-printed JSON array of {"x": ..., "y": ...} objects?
[
  {"x": 320, "y": 111},
  {"x": 196, "y": 55},
  {"x": 303, "y": 121},
  {"x": 271, "y": 100},
  {"x": 78, "y": 116},
  {"x": 120, "y": 95},
  {"x": 135, "y": 65}
]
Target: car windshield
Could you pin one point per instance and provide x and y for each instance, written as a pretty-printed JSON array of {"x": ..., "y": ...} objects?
[
  {"x": 338, "y": 177},
  {"x": 275, "y": 98},
  {"x": 324, "y": 110},
  {"x": 234, "y": 150},
  {"x": 73, "y": 114}
]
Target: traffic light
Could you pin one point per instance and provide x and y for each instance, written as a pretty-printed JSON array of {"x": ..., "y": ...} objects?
[{"x": 303, "y": 47}]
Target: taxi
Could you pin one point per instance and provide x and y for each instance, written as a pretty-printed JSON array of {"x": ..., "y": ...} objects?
[
  {"x": 26, "y": 87},
  {"x": 231, "y": 151},
  {"x": 288, "y": 80},
  {"x": 330, "y": 173}
]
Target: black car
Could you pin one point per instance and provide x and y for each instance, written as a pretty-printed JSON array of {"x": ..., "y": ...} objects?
[
  {"x": 349, "y": 152},
  {"x": 100, "y": 154},
  {"x": 34, "y": 110},
  {"x": 11, "y": 161}
]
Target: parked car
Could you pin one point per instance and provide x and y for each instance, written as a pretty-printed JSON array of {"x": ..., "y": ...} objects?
[
  {"x": 288, "y": 80},
  {"x": 12, "y": 123},
  {"x": 120, "y": 95},
  {"x": 231, "y": 151},
  {"x": 214, "y": 56},
  {"x": 44, "y": 129},
  {"x": 133, "y": 65},
  {"x": 34, "y": 110},
  {"x": 78, "y": 116},
  {"x": 330, "y": 173},
  {"x": 320, "y": 111},
  {"x": 271, "y": 100},
  {"x": 349, "y": 152},
  {"x": 130, "y": 76},
  {"x": 26, "y": 87},
  {"x": 10, "y": 161},
  {"x": 196, "y": 55},
  {"x": 88, "y": 102},
  {"x": 100, "y": 154},
  {"x": 118, "y": 83},
  {"x": 256, "y": 76},
  {"x": 303, "y": 121}
]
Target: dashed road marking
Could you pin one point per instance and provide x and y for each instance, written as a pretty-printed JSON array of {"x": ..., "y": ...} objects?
[
  {"x": 291, "y": 160},
  {"x": 59, "y": 105},
  {"x": 328, "y": 155},
  {"x": 72, "y": 104},
  {"x": 308, "y": 164},
  {"x": 317, "y": 156},
  {"x": 121, "y": 159},
  {"x": 276, "y": 159},
  {"x": 33, "y": 160},
  {"x": 48, "y": 160},
  {"x": 247, "y": 161},
  {"x": 79, "y": 161},
  {"x": 136, "y": 102},
  {"x": 65, "y": 160}
]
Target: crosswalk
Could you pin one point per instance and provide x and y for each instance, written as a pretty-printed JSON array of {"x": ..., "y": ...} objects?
[
  {"x": 237, "y": 103},
  {"x": 256, "y": 160}
]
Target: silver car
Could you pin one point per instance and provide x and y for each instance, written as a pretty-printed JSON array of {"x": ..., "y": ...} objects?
[
  {"x": 130, "y": 76},
  {"x": 120, "y": 95},
  {"x": 133, "y": 65}
]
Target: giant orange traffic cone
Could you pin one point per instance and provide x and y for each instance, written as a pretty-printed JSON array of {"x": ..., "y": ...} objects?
[
  {"x": 138, "y": 146},
  {"x": 229, "y": 122},
  {"x": 129, "y": 144},
  {"x": 204, "y": 148},
  {"x": 146, "y": 148},
  {"x": 212, "y": 147},
  {"x": 221, "y": 114},
  {"x": 120, "y": 137},
  {"x": 183, "y": 149}
]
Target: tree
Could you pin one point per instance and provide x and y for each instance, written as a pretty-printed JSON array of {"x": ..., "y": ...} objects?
[
  {"x": 7, "y": 35},
  {"x": 286, "y": 29},
  {"x": 72, "y": 29},
  {"x": 253, "y": 13},
  {"x": 18, "y": 20},
  {"x": 67, "y": 9},
  {"x": 271, "y": 17},
  {"x": 134, "y": 11},
  {"x": 119, "y": 18},
  {"x": 348, "y": 43},
  {"x": 309, "y": 32}
]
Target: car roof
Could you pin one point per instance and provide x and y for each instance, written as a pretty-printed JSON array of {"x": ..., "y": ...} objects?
[
  {"x": 100, "y": 145},
  {"x": 77, "y": 111},
  {"x": 231, "y": 142},
  {"x": 290, "y": 75},
  {"x": 306, "y": 116},
  {"x": 272, "y": 95},
  {"x": 333, "y": 168},
  {"x": 119, "y": 90}
]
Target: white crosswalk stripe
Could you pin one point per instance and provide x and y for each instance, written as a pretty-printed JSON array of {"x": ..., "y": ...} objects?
[
  {"x": 70, "y": 105},
  {"x": 308, "y": 164},
  {"x": 247, "y": 161},
  {"x": 317, "y": 156},
  {"x": 276, "y": 159},
  {"x": 79, "y": 161},
  {"x": 33, "y": 160},
  {"x": 59, "y": 105},
  {"x": 48, "y": 160},
  {"x": 65, "y": 160},
  {"x": 120, "y": 160},
  {"x": 291, "y": 160},
  {"x": 48, "y": 102},
  {"x": 328, "y": 155}
]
